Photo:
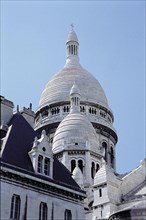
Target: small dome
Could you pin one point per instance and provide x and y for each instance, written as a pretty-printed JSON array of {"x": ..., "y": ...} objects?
[
  {"x": 78, "y": 176},
  {"x": 72, "y": 37},
  {"x": 75, "y": 132}
]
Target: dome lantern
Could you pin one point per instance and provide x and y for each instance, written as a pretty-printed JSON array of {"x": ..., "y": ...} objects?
[
  {"x": 72, "y": 46},
  {"x": 75, "y": 98}
]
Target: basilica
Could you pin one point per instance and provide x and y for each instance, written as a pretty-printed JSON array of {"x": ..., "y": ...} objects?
[{"x": 59, "y": 162}]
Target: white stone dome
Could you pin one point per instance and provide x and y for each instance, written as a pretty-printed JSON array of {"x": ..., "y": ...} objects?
[
  {"x": 72, "y": 36},
  {"x": 75, "y": 132},
  {"x": 58, "y": 88}
]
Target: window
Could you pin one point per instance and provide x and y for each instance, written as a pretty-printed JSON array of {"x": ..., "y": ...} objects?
[
  {"x": 104, "y": 145},
  {"x": 73, "y": 165},
  {"x": 97, "y": 167},
  {"x": 67, "y": 215},
  {"x": 47, "y": 166},
  {"x": 43, "y": 212},
  {"x": 112, "y": 157},
  {"x": 40, "y": 164},
  {"x": 15, "y": 207},
  {"x": 100, "y": 192},
  {"x": 43, "y": 165},
  {"x": 71, "y": 49},
  {"x": 80, "y": 164},
  {"x": 92, "y": 170}
]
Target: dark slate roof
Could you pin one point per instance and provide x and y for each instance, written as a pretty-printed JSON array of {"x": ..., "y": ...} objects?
[
  {"x": 62, "y": 174},
  {"x": 19, "y": 142}
]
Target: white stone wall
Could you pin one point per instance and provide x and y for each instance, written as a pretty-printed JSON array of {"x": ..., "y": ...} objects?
[
  {"x": 133, "y": 179},
  {"x": 35, "y": 197},
  {"x": 6, "y": 111}
]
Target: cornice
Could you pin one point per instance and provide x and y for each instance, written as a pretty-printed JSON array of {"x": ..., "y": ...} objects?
[{"x": 35, "y": 183}]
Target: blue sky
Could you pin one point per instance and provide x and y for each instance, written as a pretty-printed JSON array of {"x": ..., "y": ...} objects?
[{"x": 112, "y": 47}]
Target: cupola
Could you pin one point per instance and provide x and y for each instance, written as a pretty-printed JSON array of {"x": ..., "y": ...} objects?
[
  {"x": 72, "y": 46},
  {"x": 75, "y": 98}
]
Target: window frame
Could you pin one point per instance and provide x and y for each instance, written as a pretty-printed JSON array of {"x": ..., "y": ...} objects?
[
  {"x": 67, "y": 214},
  {"x": 43, "y": 211},
  {"x": 15, "y": 207}
]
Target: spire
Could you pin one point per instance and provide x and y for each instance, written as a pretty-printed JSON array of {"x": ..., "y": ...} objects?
[
  {"x": 72, "y": 46},
  {"x": 75, "y": 98}
]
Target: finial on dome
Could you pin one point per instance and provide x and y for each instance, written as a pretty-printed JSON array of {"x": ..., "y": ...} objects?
[{"x": 72, "y": 27}]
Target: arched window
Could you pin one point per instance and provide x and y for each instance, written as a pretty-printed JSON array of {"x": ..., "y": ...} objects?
[
  {"x": 92, "y": 170},
  {"x": 67, "y": 215},
  {"x": 112, "y": 157},
  {"x": 73, "y": 165},
  {"x": 43, "y": 211},
  {"x": 71, "y": 49},
  {"x": 40, "y": 164},
  {"x": 104, "y": 145},
  {"x": 15, "y": 207},
  {"x": 80, "y": 164},
  {"x": 97, "y": 167},
  {"x": 74, "y": 50}
]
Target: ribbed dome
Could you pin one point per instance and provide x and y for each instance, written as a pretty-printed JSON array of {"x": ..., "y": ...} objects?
[
  {"x": 58, "y": 88},
  {"x": 75, "y": 132}
]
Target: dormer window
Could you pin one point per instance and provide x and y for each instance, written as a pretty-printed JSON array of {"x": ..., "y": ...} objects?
[{"x": 41, "y": 156}]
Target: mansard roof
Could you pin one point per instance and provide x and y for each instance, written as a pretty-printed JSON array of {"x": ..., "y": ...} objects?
[{"x": 18, "y": 142}]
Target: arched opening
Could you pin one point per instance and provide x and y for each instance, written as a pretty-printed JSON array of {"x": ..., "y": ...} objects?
[
  {"x": 104, "y": 145},
  {"x": 92, "y": 170},
  {"x": 71, "y": 49},
  {"x": 112, "y": 157},
  {"x": 80, "y": 165},
  {"x": 67, "y": 215},
  {"x": 15, "y": 207},
  {"x": 73, "y": 165},
  {"x": 74, "y": 50},
  {"x": 43, "y": 211},
  {"x": 97, "y": 167}
]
